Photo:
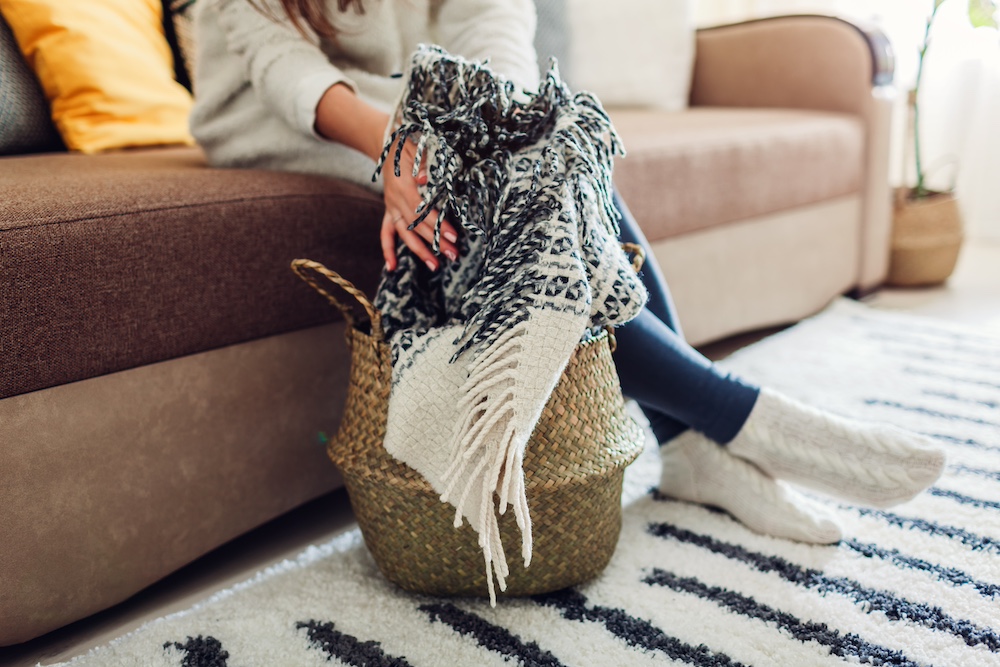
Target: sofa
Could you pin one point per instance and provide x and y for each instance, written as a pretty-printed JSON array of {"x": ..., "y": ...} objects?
[{"x": 168, "y": 384}]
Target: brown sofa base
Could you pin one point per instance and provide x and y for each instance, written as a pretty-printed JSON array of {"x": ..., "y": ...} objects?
[{"x": 109, "y": 484}]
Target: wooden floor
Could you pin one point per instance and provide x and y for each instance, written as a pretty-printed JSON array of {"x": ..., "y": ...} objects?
[{"x": 972, "y": 296}]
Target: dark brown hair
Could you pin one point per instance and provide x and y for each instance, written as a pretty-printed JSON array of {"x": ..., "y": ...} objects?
[{"x": 312, "y": 13}]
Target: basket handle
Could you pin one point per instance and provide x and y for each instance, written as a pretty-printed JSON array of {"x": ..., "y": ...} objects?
[
  {"x": 301, "y": 267},
  {"x": 638, "y": 255}
]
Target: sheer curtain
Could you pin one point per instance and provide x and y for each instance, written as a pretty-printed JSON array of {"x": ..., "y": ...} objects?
[{"x": 960, "y": 97}]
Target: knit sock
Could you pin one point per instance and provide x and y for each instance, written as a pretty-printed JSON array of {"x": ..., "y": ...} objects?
[
  {"x": 701, "y": 471},
  {"x": 873, "y": 464}
]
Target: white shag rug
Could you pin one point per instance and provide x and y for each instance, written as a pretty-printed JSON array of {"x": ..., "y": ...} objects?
[{"x": 916, "y": 585}]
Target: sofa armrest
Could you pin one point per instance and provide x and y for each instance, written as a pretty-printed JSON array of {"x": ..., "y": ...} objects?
[
  {"x": 812, "y": 62},
  {"x": 800, "y": 62}
]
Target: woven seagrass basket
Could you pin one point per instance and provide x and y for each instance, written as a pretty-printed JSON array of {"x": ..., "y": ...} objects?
[
  {"x": 573, "y": 466},
  {"x": 927, "y": 236}
]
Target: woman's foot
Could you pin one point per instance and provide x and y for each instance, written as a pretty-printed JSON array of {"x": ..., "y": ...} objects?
[
  {"x": 873, "y": 464},
  {"x": 701, "y": 471}
]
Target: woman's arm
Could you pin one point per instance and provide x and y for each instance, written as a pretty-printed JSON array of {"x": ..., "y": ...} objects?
[
  {"x": 344, "y": 117},
  {"x": 296, "y": 80},
  {"x": 288, "y": 72}
]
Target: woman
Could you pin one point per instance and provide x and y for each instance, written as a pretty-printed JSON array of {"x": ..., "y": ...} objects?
[{"x": 308, "y": 86}]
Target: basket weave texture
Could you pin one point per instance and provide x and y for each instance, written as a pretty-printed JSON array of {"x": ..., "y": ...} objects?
[
  {"x": 926, "y": 239},
  {"x": 574, "y": 464}
]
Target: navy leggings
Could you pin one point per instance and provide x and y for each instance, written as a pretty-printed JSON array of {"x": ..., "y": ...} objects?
[{"x": 676, "y": 386}]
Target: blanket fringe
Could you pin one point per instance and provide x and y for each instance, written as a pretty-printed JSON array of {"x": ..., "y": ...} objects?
[{"x": 488, "y": 456}]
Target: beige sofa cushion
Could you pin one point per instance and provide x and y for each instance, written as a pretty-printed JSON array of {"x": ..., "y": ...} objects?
[{"x": 707, "y": 166}]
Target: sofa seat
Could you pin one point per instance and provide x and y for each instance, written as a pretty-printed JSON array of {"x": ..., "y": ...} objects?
[
  {"x": 136, "y": 257},
  {"x": 708, "y": 166}
]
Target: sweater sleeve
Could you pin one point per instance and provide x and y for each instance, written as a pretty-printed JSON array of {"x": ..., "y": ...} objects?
[
  {"x": 289, "y": 73},
  {"x": 501, "y": 30}
]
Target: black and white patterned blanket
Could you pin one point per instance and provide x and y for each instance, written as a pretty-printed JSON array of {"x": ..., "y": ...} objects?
[{"x": 479, "y": 345}]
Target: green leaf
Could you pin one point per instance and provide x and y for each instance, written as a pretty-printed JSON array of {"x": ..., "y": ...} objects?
[{"x": 982, "y": 13}]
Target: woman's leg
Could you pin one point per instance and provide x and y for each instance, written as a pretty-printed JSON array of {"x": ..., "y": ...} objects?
[
  {"x": 771, "y": 436},
  {"x": 660, "y": 302},
  {"x": 661, "y": 371},
  {"x": 664, "y": 426},
  {"x": 676, "y": 386}
]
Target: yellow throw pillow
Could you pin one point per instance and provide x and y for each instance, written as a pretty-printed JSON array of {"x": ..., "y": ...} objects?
[{"x": 106, "y": 69}]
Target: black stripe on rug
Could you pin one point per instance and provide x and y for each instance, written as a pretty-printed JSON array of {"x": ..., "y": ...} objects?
[
  {"x": 923, "y": 328},
  {"x": 868, "y": 599},
  {"x": 950, "y": 416},
  {"x": 939, "y": 360},
  {"x": 491, "y": 637},
  {"x": 927, "y": 412},
  {"x": 951, "y": 378},
  {"x": 347, "y": 649},
  {"x": 978, "y": 347},
  {"x": 982, "y": 472},
  {"x": 965, "y": 442},
  {"x": 968, "y": 538},
  {"x": 949, "y": 575},
  {"x": 964, "y": 499},
  {"x": 841, "y": 645},
  {"x": 633, "y": 631},
  {"x": 952, "y": 396},
  {"x": 201, "y": 652}
]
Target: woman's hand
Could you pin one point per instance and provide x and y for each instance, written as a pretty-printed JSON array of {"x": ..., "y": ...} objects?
[
  {"x": 402, "y": 197},
  {"x": 344, "y": 117}
]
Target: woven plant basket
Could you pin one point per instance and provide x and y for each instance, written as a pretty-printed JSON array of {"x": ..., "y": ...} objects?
[
  {"x": 926, "y": 239},
  {"x": 573, "y": 465}
]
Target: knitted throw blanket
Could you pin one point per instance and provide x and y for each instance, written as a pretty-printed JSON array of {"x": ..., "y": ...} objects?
[{"x": 479, "y": 345}]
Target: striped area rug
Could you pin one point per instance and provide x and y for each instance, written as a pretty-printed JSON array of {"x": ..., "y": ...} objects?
[{"x": 916, "y": 585}]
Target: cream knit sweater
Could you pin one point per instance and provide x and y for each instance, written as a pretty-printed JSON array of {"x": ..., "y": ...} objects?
[{"x": 258, "y": 82}]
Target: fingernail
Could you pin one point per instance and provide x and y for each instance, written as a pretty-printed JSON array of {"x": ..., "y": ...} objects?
[
  {"x": 431, "y": 265},
  {"x": 451, "y": 236},
  {"x": 451, "y": 254}
]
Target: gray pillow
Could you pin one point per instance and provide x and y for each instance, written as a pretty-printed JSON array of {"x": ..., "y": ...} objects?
[
  {"x": 25, "y": 122},
  {"x": 552, "y": 36}
]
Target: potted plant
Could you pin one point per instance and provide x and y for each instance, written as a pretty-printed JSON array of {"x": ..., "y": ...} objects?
[{"x": 927, "y": 226}]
